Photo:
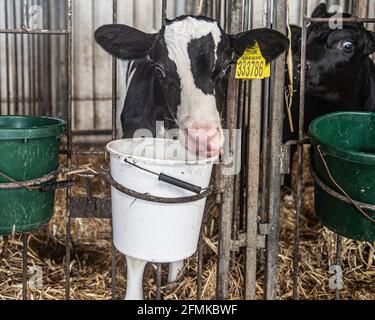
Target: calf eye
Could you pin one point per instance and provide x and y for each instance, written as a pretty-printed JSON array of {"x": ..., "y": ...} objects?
[
  {"x": 160, "y": 72},
  {"x": 227, "y": 68},
  {"x": 348, "y": 46}
]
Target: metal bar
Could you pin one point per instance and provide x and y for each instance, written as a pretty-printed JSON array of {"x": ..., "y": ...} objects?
[
  {"x": 206, "y": 213},
  {"x": 33, "y": 78},
  {"x": 113, "y": 266},
  {"x": 25, "y": 14},
  {"x": 343, "y": 20},
  {"x": 114, "y": 79},
  {"x": 7, "y": 57},
  {"x": 274, "y": 176},
  {"x": 253, "y": 168},
  {"x": 93, "y": 66},
  {"x": 15, "y": 65},
  {"x": 235, "y": 26},
  {"x": 266, "y": 107},
  {"x": 39, "y": 82},
  {"x": 158, "y": 281},
  {"x": 355, "y": 7},
  {"x": 300, "y": 152},
  {"x": 23, "y": 80},
  {"x": 338, "y": 263},
  {"x": 164, "y": 8},
  {"x": 1, "y": 84},
  {"x": 114, "y": 134},
  {"x": 34, "y": 31},
  {"x": 49, "y": 72},
  {"x": 83, "y": 153},
  {"x": 24, "y": 265},
  {"x": 30, "y": 66},
  {"x": 97, "y": 132},
  {"x": 238, "y": 179},
  {"x": 200, "y": 265},
  {"x": 69, "y": 70},
  {"x": 208, "y": 8}
]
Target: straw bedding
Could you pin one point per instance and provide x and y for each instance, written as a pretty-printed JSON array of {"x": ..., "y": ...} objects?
[{"x": 91, "y": 255}]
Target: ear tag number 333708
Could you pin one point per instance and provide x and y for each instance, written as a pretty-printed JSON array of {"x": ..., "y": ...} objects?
[{"x": 252, "y": 65}]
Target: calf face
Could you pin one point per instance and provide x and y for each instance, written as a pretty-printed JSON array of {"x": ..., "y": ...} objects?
[
  {"x": 335, "y": 57},
  {"x": 191, "y": 57}
]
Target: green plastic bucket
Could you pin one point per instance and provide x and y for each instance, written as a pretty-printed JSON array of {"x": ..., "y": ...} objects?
[
  {"x": 347, "y": 144},
  {"x": 29, "y": 149}
]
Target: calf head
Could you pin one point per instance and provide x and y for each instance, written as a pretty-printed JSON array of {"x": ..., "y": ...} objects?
[
  {"x": 334, "y": 56},
  {"x": 192, "y": 57}
]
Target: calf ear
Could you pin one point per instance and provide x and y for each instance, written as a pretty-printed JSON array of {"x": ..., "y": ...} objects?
[
  {"x": 320, "y": 11},
  {"x": 124, "y": 42},
  {"x": 271, "y": 43},
  {"x": 370, "y": 43}
]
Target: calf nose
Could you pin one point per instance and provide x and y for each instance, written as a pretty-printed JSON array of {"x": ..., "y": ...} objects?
[
  {"x": 205, "y": 140},
  {"x": 307, "y": 67}
]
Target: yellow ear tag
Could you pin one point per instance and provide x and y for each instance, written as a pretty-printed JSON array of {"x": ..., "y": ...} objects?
[{"x": 252, "y": 65}]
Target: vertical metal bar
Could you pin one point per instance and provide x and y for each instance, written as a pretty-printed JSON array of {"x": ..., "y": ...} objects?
[
  {"x": 25, "y": 16},
  {"x": 15, "y": 52},
  {"x": 274, "y": 177},
  {"x": 40, "y": 71},
  {"x": 300, "y": 153},
  {"x": 33, "y": 68},
  {"x": 93, "y": 66},
  {"x": 1, "y": 83},
  {"x": 164, "y": 9},
  {"x": 253, "y": 168},
  {"x": 223, "y": 265},
  {"x": 48, "y": 65},
  {"x": 208, "y": 8},
  {"x": 114, "y": 135},
  {"x": 206, "y": 213},
  {"x": 159, "y": 265},
  {"x": 30, "y": 67},
  {"x": 338, "y": 262},
  {"x": 355, "y": 7},
  {"x": 158, "y": 281},
  {"x": 28, "y": 53},
  {"x": 200, "y": 265},
  {"x": 23, "y": 62},
  {"x": 266, "y": 106},
  {"x": 238, "y": 179},
  {"x": 7, "y": 72},
  {"x": 226, "y": 13},
  {"x": 24, "y": 265},
  {"x": 69, "y": 70}
]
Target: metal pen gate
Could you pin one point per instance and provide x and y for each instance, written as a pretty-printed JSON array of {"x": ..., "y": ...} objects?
[
  {"x": 42, "y": 83},
  {"x": 356, "y": 7}
]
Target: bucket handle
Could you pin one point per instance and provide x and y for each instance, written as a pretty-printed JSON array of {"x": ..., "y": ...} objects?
[
  {"x": 352, "y": 202},
  {"x": 152, "y": 198},
  {"x": 170, "y": 180},
  {"x": 44, "y": 183}
]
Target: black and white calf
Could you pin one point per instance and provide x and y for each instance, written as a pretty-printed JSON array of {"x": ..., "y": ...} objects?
[{"x": 179, "y": 75}]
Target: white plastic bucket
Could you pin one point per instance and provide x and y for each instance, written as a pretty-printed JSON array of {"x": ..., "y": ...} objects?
[{"x": 152, "y": 231}]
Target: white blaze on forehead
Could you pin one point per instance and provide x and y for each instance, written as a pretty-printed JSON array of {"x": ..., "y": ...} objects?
[{"x": 196, "y": 106}]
